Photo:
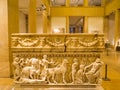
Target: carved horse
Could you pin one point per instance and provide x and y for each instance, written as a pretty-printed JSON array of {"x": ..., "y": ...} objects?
[
  {"x": 32, "y": 71},
  {"x": 57, "y": 70}
]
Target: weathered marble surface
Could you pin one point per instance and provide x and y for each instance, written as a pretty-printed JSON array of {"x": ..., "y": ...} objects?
[
  {"x": 57, "y": 58},
  {"x": 57, "y": 42},
  {"x": 65, "y": 70}
]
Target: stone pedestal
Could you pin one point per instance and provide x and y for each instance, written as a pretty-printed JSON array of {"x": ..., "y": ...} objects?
[{"x": 56, "y": 87}]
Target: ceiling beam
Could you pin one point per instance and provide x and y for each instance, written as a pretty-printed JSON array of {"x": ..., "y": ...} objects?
[
  {"x": 111, "y": 7},
  {"x": 76, "y": 11}
]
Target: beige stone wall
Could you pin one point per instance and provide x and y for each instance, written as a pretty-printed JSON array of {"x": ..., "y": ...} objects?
[
  {"x": 4, "y": 48},
  {"x": 95, "y": 24},
  {"x": 58, "y": 23},
  {"x": 39, "y": 24}
]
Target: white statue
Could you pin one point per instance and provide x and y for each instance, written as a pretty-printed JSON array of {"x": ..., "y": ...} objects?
[
  {"x": 33, "y": 71},
  {"x": 74, "y": 69},
  {"x": 32, "y": 81},
  {"x": 93, "y": 75},
  {"x": 79, "y": 78},
  {"x": 58, "y": 70},
  {"x": 28, "y": 72},
  {"x": 35, "y": 64},
  {"x": 44, "y": 62},
  {"x": 17, "y": 69},
  {"x": 22, "y": 63}
]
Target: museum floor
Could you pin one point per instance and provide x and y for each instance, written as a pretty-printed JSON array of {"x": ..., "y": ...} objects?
[{"x": 112, "y": 59}]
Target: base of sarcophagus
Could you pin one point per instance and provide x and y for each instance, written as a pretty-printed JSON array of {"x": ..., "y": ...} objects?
[{"x": 56, "y": 87}]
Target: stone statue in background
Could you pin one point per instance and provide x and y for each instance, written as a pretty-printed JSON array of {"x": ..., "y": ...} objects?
[
  {"x": 93, "y": 72},
  {"x": 74, "y": 69}
]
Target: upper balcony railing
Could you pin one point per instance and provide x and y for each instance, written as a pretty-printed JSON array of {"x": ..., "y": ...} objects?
[{"x": 74, "y": 3}]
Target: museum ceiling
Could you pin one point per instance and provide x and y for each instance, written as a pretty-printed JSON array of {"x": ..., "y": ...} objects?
[{"x": 23, "y": 4}]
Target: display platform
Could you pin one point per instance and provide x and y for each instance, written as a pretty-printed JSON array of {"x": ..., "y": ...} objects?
[{"x": 56, "y": 87}]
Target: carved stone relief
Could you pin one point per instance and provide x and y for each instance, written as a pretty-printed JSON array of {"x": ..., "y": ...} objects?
[
  {"x": 57, "y": 59},
  {"x": 67, "y": 42},
  {"x": 69, "y": 69}
]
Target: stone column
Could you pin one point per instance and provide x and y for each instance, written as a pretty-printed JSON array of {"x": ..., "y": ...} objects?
[
  {"x": 4, "y": 44},
  {"x": 85, "y": 3},
  {"x": 44, "y": 21},
  {"x": 103, "y": 2},
  {"x": 85, "y": 21},
  {"x": 106, "y": 27},
  {"x": 8, "y": 24},
  {"x": 67, "y": 3},
  {"x": 32, "y": 16},
  {"x": 13, "y": 27},
  {"x": 67, "y": 17},
  {"x": 85, "y": 29},
  {"x": 49, "y": 25},
  {"x": 67, "y": 24},
  {"x": 13, "y": 16},
  {"x": 117, "y": 23}
]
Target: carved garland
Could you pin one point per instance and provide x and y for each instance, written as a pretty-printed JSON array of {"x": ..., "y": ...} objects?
[
  {"x": 28, "y": 42},
  {"x": 88, "y": 44},
  {"x": 57, "y": 44}
]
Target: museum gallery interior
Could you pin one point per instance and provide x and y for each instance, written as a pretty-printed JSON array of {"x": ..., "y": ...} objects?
[{"x": 59, "y": 45}]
